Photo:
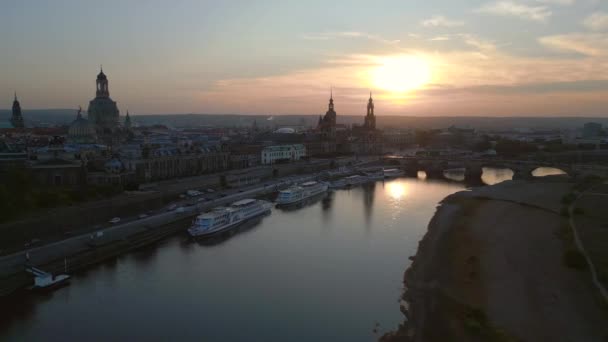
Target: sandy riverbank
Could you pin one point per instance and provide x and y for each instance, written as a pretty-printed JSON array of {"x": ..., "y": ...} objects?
[{"x": 490, "y": 269}]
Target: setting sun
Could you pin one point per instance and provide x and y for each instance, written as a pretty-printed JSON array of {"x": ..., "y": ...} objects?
[{"x": 401, "y": 73}]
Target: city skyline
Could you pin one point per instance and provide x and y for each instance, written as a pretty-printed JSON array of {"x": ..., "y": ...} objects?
[{"x": 443, "y": 58}]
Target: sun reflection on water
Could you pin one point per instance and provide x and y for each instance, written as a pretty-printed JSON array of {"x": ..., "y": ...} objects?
[{"x": 396, "y": 190}]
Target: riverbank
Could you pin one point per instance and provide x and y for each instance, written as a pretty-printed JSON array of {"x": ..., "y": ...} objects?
[
  {"x": 90, "y": 248},
  {"x": 92, "y": 244},
  {"x": 45, "y": 226},
  {"x": 490, "y": 269}
]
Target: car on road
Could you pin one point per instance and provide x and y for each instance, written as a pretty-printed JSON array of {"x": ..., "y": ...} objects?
[
  {"x": 193, "y": 193},
  {"x": 172, "y": 207},
  {"x": 210, "y": 190},
  {"x": 202, "y": 199},
  {"x": 180, "y": 210},
  {"x": 222, "y": 195},
  {"x": 142, "y": 216},
  {"x": 115, "y": 220},
  {"x": 241, "y": 190}
]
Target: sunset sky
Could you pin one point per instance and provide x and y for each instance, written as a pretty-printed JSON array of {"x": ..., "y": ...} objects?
[{"x": 433, "y": 57}]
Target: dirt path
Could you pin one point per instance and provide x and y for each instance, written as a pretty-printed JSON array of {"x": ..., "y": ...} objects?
[{"x": 529, "y": 292}]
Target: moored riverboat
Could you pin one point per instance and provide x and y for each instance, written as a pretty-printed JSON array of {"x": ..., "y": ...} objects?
[
  {"x": 298, "y": 193},
  {"x": 224, "y": 218}
]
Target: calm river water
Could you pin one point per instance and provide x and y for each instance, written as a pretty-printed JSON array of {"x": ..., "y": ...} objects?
[{"x": 328, "y": 271}]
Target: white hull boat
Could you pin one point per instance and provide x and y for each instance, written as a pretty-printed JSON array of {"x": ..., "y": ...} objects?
[
  {"x": 298, "y": 193},
  {"x": 221, "y": 219}
]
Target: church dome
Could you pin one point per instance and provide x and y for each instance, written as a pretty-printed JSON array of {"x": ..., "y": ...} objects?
[{"x": 81, "y": 131}]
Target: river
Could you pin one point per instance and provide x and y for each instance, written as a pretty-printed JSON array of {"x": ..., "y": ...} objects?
[{"x": 329, "y": 271}]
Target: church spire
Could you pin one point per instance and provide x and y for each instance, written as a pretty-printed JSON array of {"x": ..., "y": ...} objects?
[
  {"x": 17, "y": 117},
  {"x": 370, "y": 118},
  {"x": 331, "y": 99},
  {"x": 128, "y": 120}
]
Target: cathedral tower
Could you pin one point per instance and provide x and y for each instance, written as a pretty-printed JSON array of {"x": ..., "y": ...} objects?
[
  {"x": 17, "y": 118},
  {"x": 103, "y": 112},
  {"x": 370, "y": 118},
  {"x": 102, "y": 85},
  {"x": 327, "y": 124}
]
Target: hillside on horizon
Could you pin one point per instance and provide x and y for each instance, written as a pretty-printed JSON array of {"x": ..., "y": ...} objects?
[{"x": 45, "y": 117}]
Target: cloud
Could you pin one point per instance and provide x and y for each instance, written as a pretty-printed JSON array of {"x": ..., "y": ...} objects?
[
  {"x": 439, "y": 38},
  {"x": 441, "y": 21},
  {"x": 589, "y": 44},
  {"x": 583, "y": 86},
  {"x": 597, "y": 21},
  {"x": 477, "y": 79},
  {"x": 478, "y": 43},
  {"x": 514, "y": 9},
  {"x": 557, "y": 2},
  {"x": 350, "y": 34}
]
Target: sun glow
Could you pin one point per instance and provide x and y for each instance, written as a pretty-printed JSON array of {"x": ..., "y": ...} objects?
[
  {"x": 401, "y": 73},
  {"x": 396, "y": 190}
]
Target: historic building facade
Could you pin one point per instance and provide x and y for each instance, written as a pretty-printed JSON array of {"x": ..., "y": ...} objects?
[
  {"x": 177, "y": 166},
  {"x": 103, "y": 113},
  {"x": 279, "y": 153},
  {"x": 56, "y": 165}
]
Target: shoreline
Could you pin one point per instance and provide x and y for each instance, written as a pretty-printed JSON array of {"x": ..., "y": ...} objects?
[
  {"x": 116, "y": 240},
  {"x": 490, "y": 268},
  {"x": 87, "y": 248}
]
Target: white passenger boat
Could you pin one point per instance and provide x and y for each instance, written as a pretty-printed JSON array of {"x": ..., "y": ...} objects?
[
  {"x": 392, "y": 173},
  {"x": 224, "y": 218},
  {"x": 338, "y": 184},
  {"x": 356, "y": 180},
  {"x": 298, "y": 193},
  {"x": 340, "y": 172}
]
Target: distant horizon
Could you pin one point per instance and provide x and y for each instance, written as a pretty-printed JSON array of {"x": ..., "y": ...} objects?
[{"x": 523, "y": 116}]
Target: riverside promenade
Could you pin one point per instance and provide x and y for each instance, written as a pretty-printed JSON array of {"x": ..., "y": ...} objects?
[
  {"x": 150, "y": 229},
  {"x": 97, "y": 244}
]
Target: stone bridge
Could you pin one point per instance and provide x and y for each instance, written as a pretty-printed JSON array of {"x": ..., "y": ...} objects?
[{"x": 522, "y": 169}]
